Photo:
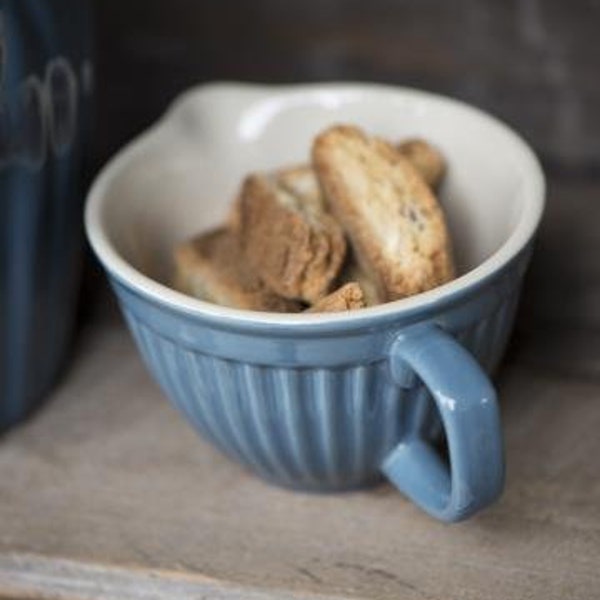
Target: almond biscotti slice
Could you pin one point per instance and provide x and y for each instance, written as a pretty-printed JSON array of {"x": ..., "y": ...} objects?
[
  {"x": 300, "y": 181},
  {"x": 294, "y": 246},
  {"x": 396, "y": 227},
  {"x": 426, "y": 158},
  {"x": 349, "y": 297},
  {"x": 212, "y": 267}
]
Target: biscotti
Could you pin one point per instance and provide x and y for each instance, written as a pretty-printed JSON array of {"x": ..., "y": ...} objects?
[
  {"x": 292, "y": 244},
  {"x": 349, "y": 297},
  {"x": 393, "y": 221},
  {"x": 426, "y": 158},
  {"x": 212, "y": 267}
]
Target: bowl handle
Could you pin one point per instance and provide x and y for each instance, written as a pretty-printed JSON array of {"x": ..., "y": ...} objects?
[{"x": 467, "y": 404}]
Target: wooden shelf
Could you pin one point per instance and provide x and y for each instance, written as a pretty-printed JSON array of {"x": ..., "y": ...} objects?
[{"x": 107, "y": 493}]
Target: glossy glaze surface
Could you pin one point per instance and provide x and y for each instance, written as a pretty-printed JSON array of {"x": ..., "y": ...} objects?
[
  {"x": 326, "y": 411},
  {"x": 313, "y": 401}
]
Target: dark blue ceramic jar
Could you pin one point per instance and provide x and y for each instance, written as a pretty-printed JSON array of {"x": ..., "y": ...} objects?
[{"x": 45, "y": 84}]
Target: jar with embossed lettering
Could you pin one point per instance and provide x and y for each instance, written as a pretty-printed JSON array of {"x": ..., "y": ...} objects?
[{"x": 46, "y": 80}]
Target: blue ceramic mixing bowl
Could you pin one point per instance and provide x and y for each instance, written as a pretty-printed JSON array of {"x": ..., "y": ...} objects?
[{"x": 327, "y": 402}]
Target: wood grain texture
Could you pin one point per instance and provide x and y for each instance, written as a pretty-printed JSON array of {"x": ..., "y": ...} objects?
[
  {"x": 108, "y": 476},
  {"x": 32, "y": 577}
]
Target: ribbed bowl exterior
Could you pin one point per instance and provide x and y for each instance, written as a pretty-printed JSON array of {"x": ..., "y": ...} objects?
[{"x": 310, "y": 410}]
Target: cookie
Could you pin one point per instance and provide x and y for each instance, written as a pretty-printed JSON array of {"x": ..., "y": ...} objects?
[
  {"x": 212, "y": 267},
  {"x": 395, "y": 225}
]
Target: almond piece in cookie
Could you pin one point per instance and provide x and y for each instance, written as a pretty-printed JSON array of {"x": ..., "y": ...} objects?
[
  {"x": 299, "y": 181},
  {"x": 212, "y": 267},
  {"x": 294, "y": 246},
  {"x": 352, "y": 271},
  {"x": 349, "y": 297},
  {"x": 395, "y": 224},
  {"x": 426, "y": 158},
  {"x": 302, "y": 182}
]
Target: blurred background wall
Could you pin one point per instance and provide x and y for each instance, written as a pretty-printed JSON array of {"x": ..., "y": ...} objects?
[{"x": 534, "y": 63}]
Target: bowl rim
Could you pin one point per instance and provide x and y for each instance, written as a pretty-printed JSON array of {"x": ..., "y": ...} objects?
[{"x": 129, "y": 276}]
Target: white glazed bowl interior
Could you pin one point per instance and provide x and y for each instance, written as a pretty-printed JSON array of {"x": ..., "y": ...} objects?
[{"x": 181, "y": 177}]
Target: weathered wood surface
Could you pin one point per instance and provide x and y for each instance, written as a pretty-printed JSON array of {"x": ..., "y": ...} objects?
[
  {"x": 108, "y": 478},
  {"x": 28, "y": 576}
]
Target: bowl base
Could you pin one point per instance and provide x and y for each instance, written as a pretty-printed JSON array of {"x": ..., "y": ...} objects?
[{"x": 324, "y": 487}]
